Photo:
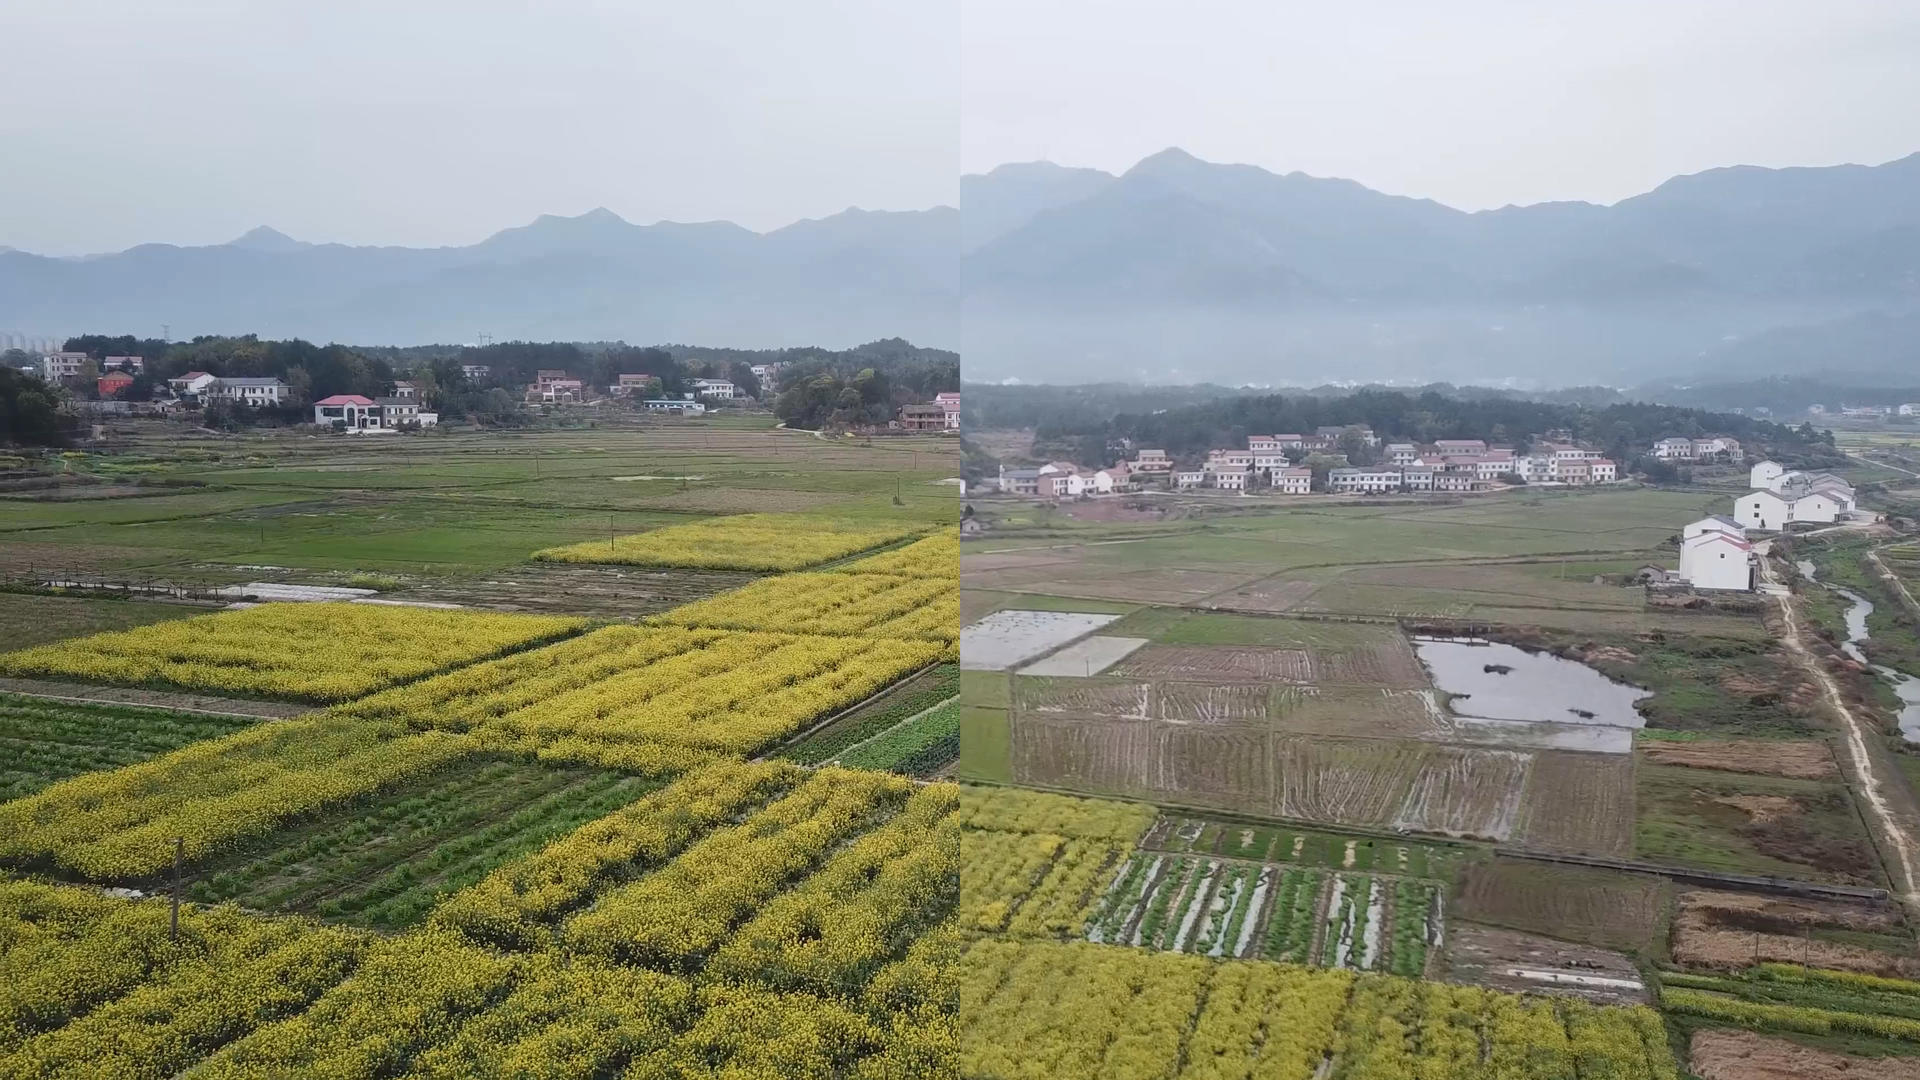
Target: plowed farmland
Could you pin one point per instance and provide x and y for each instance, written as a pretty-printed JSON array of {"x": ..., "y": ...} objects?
[{"x": 1581, "y": 803}]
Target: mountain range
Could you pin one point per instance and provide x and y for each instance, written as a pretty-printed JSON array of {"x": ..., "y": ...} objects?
[
  {"x": 852, "y": 277},
  {"x": 1176, "y": 270}
]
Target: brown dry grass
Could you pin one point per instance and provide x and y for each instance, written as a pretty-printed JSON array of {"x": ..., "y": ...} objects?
[
  {"x": 1725, "y": 930},
  {"x": 1580, "y": 803},
  {"x": 1597, "y": 907},
  {"x": 1798, "y": 759},
  {"x": 1722, "y": 1054}
]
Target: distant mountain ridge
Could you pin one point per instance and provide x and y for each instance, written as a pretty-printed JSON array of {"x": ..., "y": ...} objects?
[
  {"x": 1176, "y": 270},
  {"x": 1237, "y": 274},
  {"x": 835, "y": 281}
]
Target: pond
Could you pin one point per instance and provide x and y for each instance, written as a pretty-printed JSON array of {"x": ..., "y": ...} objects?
[
  {"x": 1492, "y": 681},
  {"x": 1905, "y": 686}
]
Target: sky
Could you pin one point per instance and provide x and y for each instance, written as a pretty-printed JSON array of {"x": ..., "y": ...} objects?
[
  {"x": 428, "y": 122},
  {"x": 1474, "y": 103}
]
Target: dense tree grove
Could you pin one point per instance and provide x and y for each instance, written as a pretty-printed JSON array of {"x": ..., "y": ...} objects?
[
  {"x": 1623, "y": 431},
  {"x": 30, "y": 411}
]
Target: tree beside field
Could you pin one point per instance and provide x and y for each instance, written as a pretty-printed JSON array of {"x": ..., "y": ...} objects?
[{"x": 30, "y": 412}]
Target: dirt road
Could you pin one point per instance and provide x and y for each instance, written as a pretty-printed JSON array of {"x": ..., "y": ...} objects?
[{"x": 1902, "y": 849}]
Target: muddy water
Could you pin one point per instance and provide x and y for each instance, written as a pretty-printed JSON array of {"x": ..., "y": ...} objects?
[
  {"x": 1492, "y": 681},
  {"x": 1905, "y": 686}
]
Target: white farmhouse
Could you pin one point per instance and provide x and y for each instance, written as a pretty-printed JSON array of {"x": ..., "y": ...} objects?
[
  {"x": 1716, "y": 523},
  {"x": 1765, "y": 475},
  {"x": 1717, "y": 560},
  {"x": 715, "y": 388},
  {"x": 1293, "y": 480},
  {"x": 1762, "y": 510}
]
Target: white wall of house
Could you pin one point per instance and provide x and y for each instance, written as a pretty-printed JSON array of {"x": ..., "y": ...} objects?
[
  {"x": 1762, "y": 510},
  {"x": 1765, "y": 475},
  {"x": 1714, "y": 561}
]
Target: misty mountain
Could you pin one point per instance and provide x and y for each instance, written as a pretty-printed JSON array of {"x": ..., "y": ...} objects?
[
  {"x": 1237, "y": 274},
  {"x": 1175, "y": 271},
  {"x": 836, "y": 281}
]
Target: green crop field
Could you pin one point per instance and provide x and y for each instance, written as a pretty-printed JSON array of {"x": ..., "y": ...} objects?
[{"x": 44, "y": 741}]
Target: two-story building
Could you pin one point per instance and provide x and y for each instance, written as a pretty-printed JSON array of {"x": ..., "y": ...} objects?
[
  {"x": 1374, "y": 480},
  {"x": 922, "y": 417},
  {"x": 716, "y": 389},
  {"x": 255, "y": 392},
  {"x": 950, "y": 401},
  {"x": 62, "y": 365},
  {"x": 1292, "y": 480}
]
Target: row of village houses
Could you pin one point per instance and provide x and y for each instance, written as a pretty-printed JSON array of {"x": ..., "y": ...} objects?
[
  {"x": 1715, "y": 552},
  {"x": 1448, "y": 465}
]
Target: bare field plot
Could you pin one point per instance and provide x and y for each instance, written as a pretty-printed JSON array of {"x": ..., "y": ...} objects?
[
  {"x": 1799, "y": 759},
  {"x": 1598, "y": 907},
  {"x": 563, "y": 588},
  {"x": 1359, "y": 782},
  {"x": 1527, "y": 963},
  {"x": 1726, "y": 930},
  {"x": 32, "y": 619},
  {"x": 1170, "y": 585},
  {"x": 1086, "y": 657},
  {"x": 1728, "y": 1054},
  {"x": 1361, "y": 712},
  {"x": 1009, "y": 637},
  {"x": 1466, "y": 793},
  {"x": 1580, "y": 803},
  {"x": 1389, "y": 663}
]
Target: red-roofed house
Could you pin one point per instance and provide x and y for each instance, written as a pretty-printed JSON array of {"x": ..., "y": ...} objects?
[
  {"x": 347, "y": 410},
  {"x": 113, "y": 382}
]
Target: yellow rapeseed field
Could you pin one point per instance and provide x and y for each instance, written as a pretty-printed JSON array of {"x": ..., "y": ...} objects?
[
  {"x": 872, "y": 605},
  {"x": 937, "y": 556},
  {"x": 298, "y": 652},
  {"x": 772, "y": 542},
  {"x": 717, "y": 690}
]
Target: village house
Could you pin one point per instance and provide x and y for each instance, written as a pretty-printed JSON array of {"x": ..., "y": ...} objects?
[
  {"x": 132, "y": 364},
  {"x": 1152, "y": 461},
  {"x": 1375, "y": 480},
  {"x": 628, "y": 383},
  {"x": 1674, "y": 449},
  {"x": 1331, "y": 435},
  {"x": 950, "y": 401},
  {"x": 1290, "y": 442},
  {"x": 1716, "y": 523},
  {"x": 1603, "y": 471},
  {"x": 112, "y": 383},
  {"x": 350, "y": 411},
  {"x": 924, "y": 417},
  {"x": 1574, "y": 473},
  {"x": 1264, "y": 444},
  {"x": 1459, "y": 449},
  {"x": 544, "y": 377},
  {"x": 1494, "y": 464},
  {"x": 61, "y": 365},
  {"x": 1293, "y": 480},
  {"x": 406, "y": 389},
  {"x": 1402, "y": 453},
  {"x": 1718, "y": 560},
  {"x": 1112, "y": 479},
  {"x": 1774, "y": 511},
  {"x": 191, "y": 384},
  {"x": 1184, "y": 479},
  {"x": 254, "y": 392},
  {"x": 1019, "y": 481},
  {"x": 556, "y": 391},
  {"x": 674, "y": 406},
  {"x": 719, "y": 389},
  {"x": 1231, "y": 478},
  {"x": 1455, "y": 480},
  {"x": 1418, "y": 477},
  {"x": 475, "y": 372},
  {"x": 1911, "y": 408},
  {"x": 1229, "y": 459},
  {"x": 1266, "y": 463}
]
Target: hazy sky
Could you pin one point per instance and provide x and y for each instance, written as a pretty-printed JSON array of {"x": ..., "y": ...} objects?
[
  {"x": 440, "y": 121},
  {"x": 1476, "y": 103}
]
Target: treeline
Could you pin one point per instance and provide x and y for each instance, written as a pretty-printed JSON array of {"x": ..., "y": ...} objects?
[
  {"x": 30, "y": 412},
  {"x": 1624, "y": 432},
  {"x": 860, "y": 387},
  {"x": 821, "y": 387}
]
